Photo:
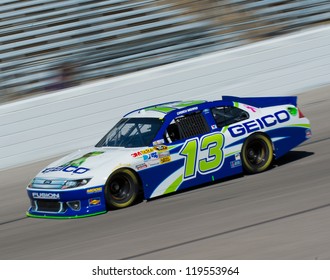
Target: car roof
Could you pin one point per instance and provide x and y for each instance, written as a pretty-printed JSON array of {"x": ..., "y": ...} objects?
[
  {"x": 163, "y": 109},
  {"x": 180, "y": 107}
]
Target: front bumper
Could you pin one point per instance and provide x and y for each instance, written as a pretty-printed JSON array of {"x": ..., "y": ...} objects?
[{"x": 69, "y": 203}]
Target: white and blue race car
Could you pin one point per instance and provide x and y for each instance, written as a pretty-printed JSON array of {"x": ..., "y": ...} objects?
[{"x": 166, "y": 148}]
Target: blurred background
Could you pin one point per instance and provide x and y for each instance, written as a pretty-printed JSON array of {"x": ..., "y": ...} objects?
[{"x": 48, "y": 45}]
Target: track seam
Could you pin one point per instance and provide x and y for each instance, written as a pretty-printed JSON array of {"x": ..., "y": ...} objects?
[
  {"x": 13, "y": 221},
  {"x": 313, "y": 142}
]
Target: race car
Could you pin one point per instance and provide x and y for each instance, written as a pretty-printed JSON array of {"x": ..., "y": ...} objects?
[{"x": 167, "y": 148}]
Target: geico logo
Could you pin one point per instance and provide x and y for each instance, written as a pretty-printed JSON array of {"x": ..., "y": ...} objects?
[
  {"x": 69, "y": 169},
  {"x": 258, "y": 124},
  {"x": 46, "y": 195}
]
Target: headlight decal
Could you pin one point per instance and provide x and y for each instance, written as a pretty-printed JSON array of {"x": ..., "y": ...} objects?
[{"x": 70, "y": 184}]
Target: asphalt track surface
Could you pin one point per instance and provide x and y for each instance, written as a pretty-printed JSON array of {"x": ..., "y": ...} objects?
[{"x": 280, "y": 214}]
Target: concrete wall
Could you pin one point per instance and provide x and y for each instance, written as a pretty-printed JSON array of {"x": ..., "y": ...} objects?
[{"x": 53, "y": 124}]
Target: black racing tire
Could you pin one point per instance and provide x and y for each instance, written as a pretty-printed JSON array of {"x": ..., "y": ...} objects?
[
  {"x": 257, "y": 153},
  {"x": 122, "y": 189}
]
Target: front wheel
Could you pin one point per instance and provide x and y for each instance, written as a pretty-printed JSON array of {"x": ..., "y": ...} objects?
[
  {"x": 257, "y": 153},
  {"x": 122, "y": 189}
]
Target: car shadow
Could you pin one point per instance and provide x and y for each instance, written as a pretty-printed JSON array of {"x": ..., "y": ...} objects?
[{"x": 292, "y": 156}]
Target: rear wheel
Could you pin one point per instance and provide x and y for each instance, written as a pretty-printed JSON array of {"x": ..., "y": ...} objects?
[
  {"x": 122, "y": 189},
  {"x": 257, "y": 153}
]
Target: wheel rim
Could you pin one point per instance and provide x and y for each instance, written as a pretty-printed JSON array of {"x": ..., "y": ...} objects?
[
  {"x": 256, "y": 153},
  {"x": 120, "y": 188}
]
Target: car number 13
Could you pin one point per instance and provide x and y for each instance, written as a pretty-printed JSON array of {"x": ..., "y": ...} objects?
[{"x": 203, "y": 155}]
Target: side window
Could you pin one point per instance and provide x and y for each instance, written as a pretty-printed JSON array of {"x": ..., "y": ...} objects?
[
  {"x": 186, "y": 126},
  {"x": 228, "y": 115}
]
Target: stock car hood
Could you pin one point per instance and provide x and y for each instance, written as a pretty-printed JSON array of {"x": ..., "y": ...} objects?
[{"x": 87, "y": 162}]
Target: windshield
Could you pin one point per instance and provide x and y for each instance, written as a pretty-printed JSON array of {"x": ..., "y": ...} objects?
[{"x": 131, "y": 132}]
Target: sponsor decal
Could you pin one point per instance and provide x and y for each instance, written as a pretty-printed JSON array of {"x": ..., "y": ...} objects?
[
  {"x": 235, "y": 163},
  {"x": 187, "y": 110},
  {"x": 214, "y": 126},
  {"x": 68, "y": 169},
  {"x": 257, "y": 124},
  {"x": 141, "y": 166},
  {"x": 238, "y": 156},
  {"x": 47, "y": 182},
  {"x": 45, "y": 195},
  {"x": 153, "y": 162},
  {"x": 147, "y": 151},
  {"x": 122, "y": 165},
  {"x": 161, "y": 148},
  {"x": 158, "y": 142},
  {"x": 164, "y": 154},
  {"x": 165, "y": 159},
  {"x": 308, "y": 133},
  {"x": 136, "y": 154},
  {"x": 154, "y": 155},
  {"x": 253, "y": 109},
  {"x": 293, "y": 111},
  {"x": 146, "y": 157},
  {"x": 151, "y": 156},
  {"x": 94, "y": 201},
  {"x": 94, "y": 190},
  {"x": 79, "y": 161}
]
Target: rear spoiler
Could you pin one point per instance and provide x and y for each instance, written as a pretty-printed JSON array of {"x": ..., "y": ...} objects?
[{"x": 261, "y": 102}]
